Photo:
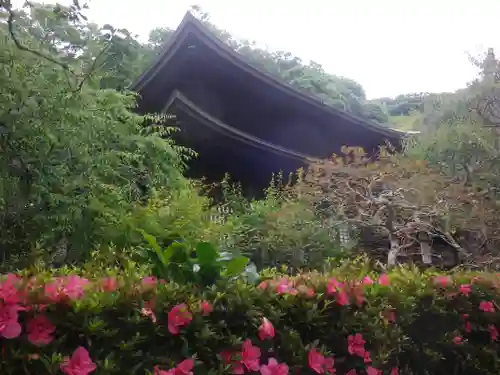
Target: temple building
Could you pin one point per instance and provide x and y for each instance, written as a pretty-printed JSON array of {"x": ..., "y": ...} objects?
[{"x": 241, "y": 120}]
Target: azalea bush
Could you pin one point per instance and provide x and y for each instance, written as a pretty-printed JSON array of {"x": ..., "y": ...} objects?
[{"x": 346, "y": 322}]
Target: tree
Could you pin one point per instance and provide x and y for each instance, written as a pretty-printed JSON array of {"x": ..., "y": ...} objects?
[{"x": 75, "y": 159}]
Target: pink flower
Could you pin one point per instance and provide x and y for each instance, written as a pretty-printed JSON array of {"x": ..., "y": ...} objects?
[
  {"x": 493, "y": 332},
  {"x": 80, "y": 363},
  {"x": 206, "y": 307},
  {"x": 178, "y": 317},
  {"x": 274, "y": 368},
  {"x": 342, "y": 298},
  {"x": 148, "y": 309},
  {"x": 285, "y": 286},
  {"x": 149, "y": 281},
  {"x": 458, "y": 340},
  {"x": 356, "y": 345},
  {"x": 333, "y": 286},
  {"x": 40, "y": 330},
  {"x": 9, "y": 325},
  {"x": 352, "y": 372},
  {"x": 9, "y": 292},
  {"x": 487, "y": 306},
  {"x": 74, "y": 287},
  {"x": 373, "y": 371},
  {"x": 183, "y": 368},
  {"x": 266, "y": 330},
  {"x": 250, "y": 356},
  {"x": 109, "y": 284},
  {"x": 390, "y": 315},
  {"x": 319, "y": 363},
  {"x": 367, "y": 358},
  {"x": 263, "y": 285},
  {"x": 467, "y": 327},
  {"x": 394, "y": 371},
  {"x": 367, "y": 281},
  {"x": 236, "y": 366},
  {"x": 443, "y": 281},
  {"x": 71, "y": 287},
  {"x": 306, "y": 291},
  {"x": 465, "y": 289},
  {"x": 384, "y": 280}
]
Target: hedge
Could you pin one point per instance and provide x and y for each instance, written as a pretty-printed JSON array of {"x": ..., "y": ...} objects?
[{"x": 404, "y": 322}]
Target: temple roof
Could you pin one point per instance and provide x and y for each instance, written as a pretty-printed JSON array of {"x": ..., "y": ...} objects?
[
  {"x": 180, "y": 101},
  {"x": 191, "y": 29}
]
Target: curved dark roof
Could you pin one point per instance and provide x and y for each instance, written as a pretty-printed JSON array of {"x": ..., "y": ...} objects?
[
  {"x": 191, "y": 25},
  {"x": 187, "y": 106}
]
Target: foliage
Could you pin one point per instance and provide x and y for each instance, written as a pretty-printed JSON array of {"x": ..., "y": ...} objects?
[
  {"x": 203, "y": 265},
  {"x": 404, "y": 322},
  {"x": 463, "y": 151},
  {"x": 405, "y": 209},
  {"x": 75, "y": 158},
  {"x": 280, "y": 229}
]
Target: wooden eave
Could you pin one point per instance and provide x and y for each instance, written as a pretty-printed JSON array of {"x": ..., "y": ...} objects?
[
  {"x": 192, "y": 26},
  {"x": 181, "y": 102}
]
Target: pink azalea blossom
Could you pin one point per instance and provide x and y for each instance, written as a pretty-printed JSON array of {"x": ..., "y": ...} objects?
[
  {"x": 9, "y": 325},
  {"x": 80, "y": 363},
  {"x": 285, "y": 286},
  {"x": 183, "y": 368},
  {"x": 487, "y": 306},
  {"x": 351, "y": 372},
  {"x": 373, "y": 371},
  {"x": 250, "y": 356},
  {"x": 467, "y": 326},
  {"x": 367, "y": 281},
  {"x": 333, "y": 286},
  {"x": 342, "y": 298},
  {"x": 465, "y": 289},
  {"x": 263, "y": 285},
  {"x": 206, "y": 307},
  {"x": 493, "y": 332},
  {"x": 266, "y": 330},
  {"x": 149, "y": 281},
  {"x": 274, "y": 368},
  {"x": 109, "y": 284},
  {"x": 356, "y": 345},
  {"x": 306, "y": 291},
  {"x": 394, "y": 371},
  {"x": 148, "y": 309},
  {"x": 178, "y": 317},
  {"x": 40, "y": 330},
  {"x": 9, "y": 292},
  {"x": 71, "y": 287},
  {"x": 442, "y": 281},
  {"x": 458, "y": 340},
  {"x": 384, "y": 280},
  {"x": 319, "y": 363},
  {"x": 235, "y": 365}
]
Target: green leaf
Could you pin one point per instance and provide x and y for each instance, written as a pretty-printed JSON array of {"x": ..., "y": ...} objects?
[
  {"x": 170, "y": 250},
  {"x": 151, "y": 240},
  {"x": 206, "y": 253},
  {"x": 236, "y": 266}
]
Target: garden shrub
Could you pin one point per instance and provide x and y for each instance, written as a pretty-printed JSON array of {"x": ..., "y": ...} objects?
[
  {"x": 345, "y": 322},
  {"x": 280, "y": 229}
]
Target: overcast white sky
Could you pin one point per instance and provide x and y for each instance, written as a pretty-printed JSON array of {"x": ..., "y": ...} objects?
[{"x": 389, "y": 46}]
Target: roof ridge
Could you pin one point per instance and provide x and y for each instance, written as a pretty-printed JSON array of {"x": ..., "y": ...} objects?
[
  {"x": 227, "y": 52},
  {"x": 236, "y": 133}
]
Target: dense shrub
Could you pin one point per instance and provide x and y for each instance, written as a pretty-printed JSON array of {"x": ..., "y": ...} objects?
[
  {"x": 282, "y": 228},
  {"x": 348, "y": 322}
]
